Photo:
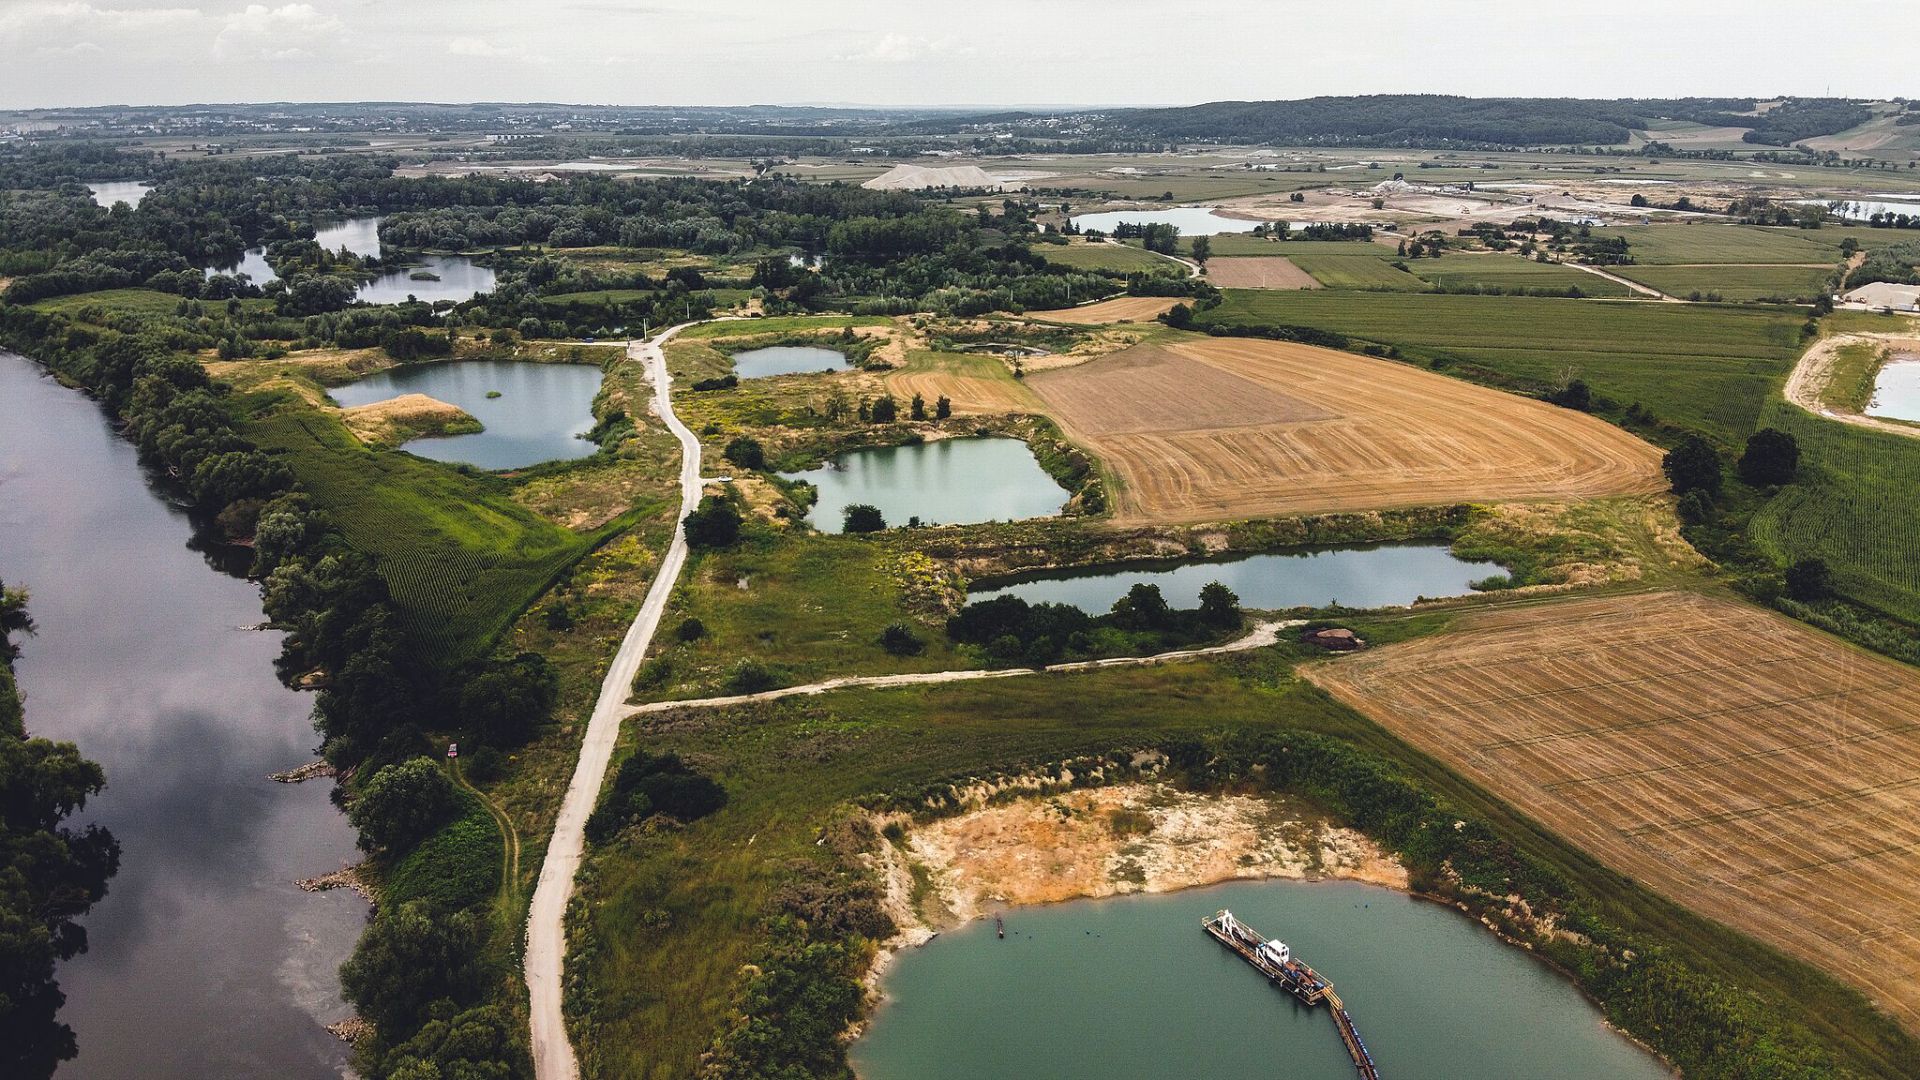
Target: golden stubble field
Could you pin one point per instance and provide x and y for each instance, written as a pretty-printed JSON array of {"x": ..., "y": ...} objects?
[
  {"x": 1259, "y": 272},
  {"x": 1118, "y": 310},
  {"x": 1218, "y": 428},
  {"x": 1755, "y": 770}
]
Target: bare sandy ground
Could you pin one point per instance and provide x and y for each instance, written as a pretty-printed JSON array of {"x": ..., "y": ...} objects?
[
  {"x": 1119, "y": 310},
  {"x": 1259, "y": 272},
  {"x": 409, "y": 416},
  {"x": 1107, "y": 841}
]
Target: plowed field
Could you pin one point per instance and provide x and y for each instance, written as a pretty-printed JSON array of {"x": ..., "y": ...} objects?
[
  {"x": 1259, "y": 272},
  {"x": 1750, "y": 768},
  {"x": 1225, "y": 428},
  {"x": 1119, "y": 309}
]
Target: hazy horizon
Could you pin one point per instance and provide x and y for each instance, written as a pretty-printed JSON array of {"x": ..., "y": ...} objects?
[{"x": 865, "y": 53}]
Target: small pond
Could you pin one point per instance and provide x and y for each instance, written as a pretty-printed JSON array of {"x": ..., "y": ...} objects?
[
  {"x": 540, "y": 412},
  {"x": 1864, "y": 209},
  {"x": 1358, "y": 577},
  {"x": 453, "y": 277},
  {"x": 787, "y": 360},
  {"x": 1131, "y": 987},
  {"x": 1190, "y": 220},
  {"x": 947, "y": 482},
  {"x": 252, "y": 262},
  {"x": 361, "y": 236},
  {"x": 1896, "y": 390},
  {"x": 120, "y": 191}
]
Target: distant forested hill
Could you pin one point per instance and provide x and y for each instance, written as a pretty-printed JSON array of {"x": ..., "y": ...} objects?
[{"x": 1445, "y": 120}]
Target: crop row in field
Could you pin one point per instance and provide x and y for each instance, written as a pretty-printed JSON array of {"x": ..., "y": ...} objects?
[
  {"x": 461, "y": 559},
  {"x": 1115, "y": 257},
  {"x": 1358, "y": 272},
  {"x": 1510, "y": 273},
  {"x": 1734, "y": 282},
  {"x": 1759, "y": 772},
  {"x": 1853, "y": 506},
  {"x": 1703, "y": 366},
  {"x": 1716, "y": 243}
]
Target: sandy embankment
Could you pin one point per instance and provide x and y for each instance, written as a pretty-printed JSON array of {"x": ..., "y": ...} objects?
[
  {"x": 409, "y": 416},
  {"x": 1128, "y": 838}
]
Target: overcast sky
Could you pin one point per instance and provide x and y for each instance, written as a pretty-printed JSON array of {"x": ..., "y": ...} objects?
[{"x": 939, "y": 52}]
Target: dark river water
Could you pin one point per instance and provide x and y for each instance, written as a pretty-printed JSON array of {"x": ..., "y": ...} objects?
[{"x": 205, "y": 959}]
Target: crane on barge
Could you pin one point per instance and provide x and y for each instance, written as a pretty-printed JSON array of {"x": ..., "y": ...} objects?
[{"x": 1272, "y": 958}]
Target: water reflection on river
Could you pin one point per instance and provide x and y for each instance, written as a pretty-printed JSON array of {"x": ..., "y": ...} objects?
[{"x": 205, "y": 959}]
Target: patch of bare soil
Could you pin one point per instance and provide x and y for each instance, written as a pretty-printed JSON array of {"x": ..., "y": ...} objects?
[
  {"x": 1107, "y": 841},
  {"x": 1118, "y": 310},
  {"x": 1259, "y": 272}
]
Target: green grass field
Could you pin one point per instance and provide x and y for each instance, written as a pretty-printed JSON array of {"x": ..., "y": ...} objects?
[
  {"x": 596, "y": 298},
  {"x": 1373, "y": 272},
  {"x": 1706, "y": 367},
  {"x": 1114, "y": 257},
  {"x": 1852, "y": 506},
  {"x": 1732, "y": 281},
  {"x": 1668, "y": 244},
  {"x": 130, "y": 301},
  {"x": 1510, "y": 272},
  {"x": 783, "y": 324},
  {"x": 460, "y": 557}
]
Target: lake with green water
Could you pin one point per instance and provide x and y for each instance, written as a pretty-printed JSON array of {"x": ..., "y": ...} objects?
[
  {"x": 539, "y": 415},
  {"x": 947, "y": 482},
  {"x": 1130, "y": 988},
  {"x": 1359, "y": 577}
]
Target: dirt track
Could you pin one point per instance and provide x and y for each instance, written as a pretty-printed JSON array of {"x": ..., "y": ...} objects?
[
  {"x": 1752, "y": 769},
  {"x": 1811, "y": 374},
  {"x": 1119, "y": 309},
  {"x": 1259, "y": 272},
  {"x": 1225, "y": 428}
]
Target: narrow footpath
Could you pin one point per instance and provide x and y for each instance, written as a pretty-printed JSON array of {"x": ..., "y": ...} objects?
[
  {"x": 553, "y": 1057},
  {"x": 1262, "y": 635}
]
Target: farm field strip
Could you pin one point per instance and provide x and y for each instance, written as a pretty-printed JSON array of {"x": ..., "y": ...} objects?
[
  {"x": 1119, "y": 309},
  {"x": 1260, "y": 272},
  {"x": 1753, "y": 769},
  {"x": 1230, "y": 427}
]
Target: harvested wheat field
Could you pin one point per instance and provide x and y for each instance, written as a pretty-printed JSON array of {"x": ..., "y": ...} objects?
[
  {"x": 1259, "y": 272},
  {"x": 1757, "y": 771},
  {"x": 975, "y": 384},
  {"x": 1118, "y": 310},
  {"x": 1220, "y": 428}
]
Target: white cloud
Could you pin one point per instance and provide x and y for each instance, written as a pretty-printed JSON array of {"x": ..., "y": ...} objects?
[
  {"x": 274, "y": 33},
  {"x": 906, "y": 48},
  {"x": 481, "y": 48},
  {"x": 19, "y": 21}
]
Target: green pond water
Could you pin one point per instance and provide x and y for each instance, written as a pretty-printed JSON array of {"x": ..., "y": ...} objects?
[
  {"x": 1359, "y": 577},
  {"x": 1130, "y": 987},
  {"x": 948, "y": 482},
  {"x": 537, "y": 412}
]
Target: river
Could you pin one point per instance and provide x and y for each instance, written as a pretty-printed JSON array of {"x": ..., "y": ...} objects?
[{"x": 205, "y": 959}]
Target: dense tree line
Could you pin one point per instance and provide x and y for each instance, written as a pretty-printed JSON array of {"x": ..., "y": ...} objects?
[
  {"x": 1012, "y": 631},
  {"x": 50, "y": 872}
]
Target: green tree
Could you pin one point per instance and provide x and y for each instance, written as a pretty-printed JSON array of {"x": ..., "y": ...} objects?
[
  {"x": 942, "y": 407},
  {"x": 401, "y": 805},
  {"x": 503, "y": 703},
  {"x": 746, "y": 452},
  {"x": 1180, "y": 317},
  {"x": 1810, "y": 579},
  {"x": 862, "y": 518},
  {"x": 1202, "y": 249},
  {"x": 1694, "y": 465},
  {"x": 885, "y": 410},
  {"x": 918, "y": 409},
  {"x": 713, "y": 524},
  {"x": 409, "y": 959},
  {"x": 1219, "y": 606},
  {"x": 900, "y": 640},
  {"x": 1143, "y": 608},
  {"x": 1772, "y": 457}
]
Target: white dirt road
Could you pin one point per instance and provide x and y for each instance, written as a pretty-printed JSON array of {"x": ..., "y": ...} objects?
[
  {"x": 1643, "y": 290},
  {"x": 553, "y": 1057}
]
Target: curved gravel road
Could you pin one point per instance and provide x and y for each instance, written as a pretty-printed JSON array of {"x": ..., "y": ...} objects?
[{"x": 553, "y": 1057}]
